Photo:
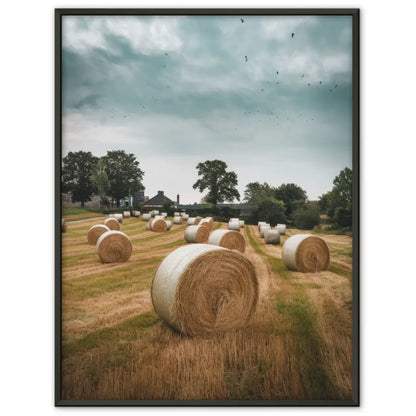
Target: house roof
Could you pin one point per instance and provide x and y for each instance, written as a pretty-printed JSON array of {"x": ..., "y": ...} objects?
[{"x": 158, "y": 200}]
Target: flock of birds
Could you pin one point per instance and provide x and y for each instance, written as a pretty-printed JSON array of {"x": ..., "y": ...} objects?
[{"x": 292, "y": 35}]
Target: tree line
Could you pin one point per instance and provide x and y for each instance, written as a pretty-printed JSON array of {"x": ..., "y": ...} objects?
[{"x": 117, "y": 174}]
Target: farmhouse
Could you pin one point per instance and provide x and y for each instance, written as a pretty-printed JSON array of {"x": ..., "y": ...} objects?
[{"x": 158, "y": 200}]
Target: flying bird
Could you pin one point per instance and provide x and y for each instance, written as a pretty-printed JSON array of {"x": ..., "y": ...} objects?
[
  {"x": 293, "y": 35},
  {"x": 309, "y": 85},
  {"x": 320, "y": 82},
  {"x": 242, "y": 21},
  {"x": 277, "y": 72}
]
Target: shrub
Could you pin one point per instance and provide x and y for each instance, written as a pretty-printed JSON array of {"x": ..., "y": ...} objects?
[
  {"x": 343, "y": 217},
  {"x": 270, "y": 210},
  {"x": 307, "y": 217}
]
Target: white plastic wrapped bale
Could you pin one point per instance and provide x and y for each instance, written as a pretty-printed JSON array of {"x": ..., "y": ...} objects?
[
  {"x": 95, "y": 231},
  {"x": 185, "y": 217},
  {"x": 228, "y": 239},
  {"x": 260, "y": 223},
  {"x": 177, "y": 220},
  {"x": 146, "y": 217},
  {"x": 305, "y": 253},
  {"x": 272, "y": 237},
  {"x": 114, "y": 247},
  {"x": 234, "y": 219},
  {"x": 241, "y": 222},
  {"x": 176, "y": 214},
  {"x": 201, "y": 289},
  {"x": 234, "y": 225},
  {"x": 63, "y": 225},
  {"x": 164, "y": 214},
  {"x": 149, "y": 224},
  {"x": 119, "y": 217},
  {"x": 126, "y": 214},
  {"x": 194, "y": 220},
  {"x": 196, "y": 234},
  {"x": 281, "y": 228},
  {"x": 206, "y": 223},
  {"x": 159, "y": 217},
  {"x": 135, "y": 213},
  {"x": 168, "y": 225},
  {"x": 112, "y": 223},
  {"x": 263, "y": 228},
  {"x": 155, "y": 212}
]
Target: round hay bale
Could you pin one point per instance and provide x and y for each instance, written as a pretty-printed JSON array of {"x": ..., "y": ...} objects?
[
  {"x": 272, "y": 237},
  {"x": 149, "y": 224},
  {"x": 126, "y": 214},
  {"x": 177, "y": 220},
  {"x": 155, "y": 212},
  {"x": 281, "y": 228},
  {"x": 305, "y": 253},
  {"x": 114, "y": 247},
  {"x": 185, "y": 217},
  {"x": 206, "y": 224},
  {"x": 146, "y": 217},
  {"x": 164, "y": 214},
  {"x": 168, "y": 225},
  {"x": 234, "y": 219},
  {"x": 202, "y": 289},
  {"x": 260, "y": 223},
  {"x": 135, "y": 213},
  {"x": 63, "y": 226},
  {"x": 176, "y": 214},
  {"x": 112, "y": 223},
  {"x": 232, "y": 240},
  {"x": 191, "y": 221},
  {"x": 241, "y": 222},
  {"x": 119, "y": 217},
  {"x": 234, "y": 225},
  {"x": 263, "y": 228},
  {"x": 95, "y": 231},
  {"x": 209, "y": 219},
  {"x": 196, "y": 234},
  {"x": 158, "y": 217},
  {"x": 159, "y": 225}
]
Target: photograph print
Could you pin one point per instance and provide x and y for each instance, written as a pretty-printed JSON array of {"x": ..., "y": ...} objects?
[{"x": 207, "y": 207}]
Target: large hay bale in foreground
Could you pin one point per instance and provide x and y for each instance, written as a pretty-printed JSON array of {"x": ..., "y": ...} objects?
[
  {"x": 95, "y": 231},
  {"x": 272, "y": 237},
  {"x": 234, "y": 225},
  {"x": 63, "y": 226},
  {"x": 112, "y": 223},
  {"x": 196, "y": 234},
  {"x": 177, "y": 220},
  {"x": 159, "y": 225},
  {"x": 305, "y": 253},
  {"x": 264, "y": 228},
  {"x": 281, "y": 228},
  {"x": 201, "y": 289},
  {"x": 114, "y": 247},
  {"x": 146, "y": 217},
  {"x": 232, "y": 240},
  {"x": 126, "y": 214}
]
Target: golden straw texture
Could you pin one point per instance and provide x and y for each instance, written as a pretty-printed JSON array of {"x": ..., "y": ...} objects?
[
  {"x": 114, "y": 247},
  {"x": 159, "y": 225},
  {"x": 201, "y": 289},
  {"x": 232, "y": 240},
  {"x": 112, "y": 223},
  {"x": 305, "y": 253},
  {"x": 196, "y": 234},
  {"x": 95, "y": 231},
  {"x": 207, "y": 224}
]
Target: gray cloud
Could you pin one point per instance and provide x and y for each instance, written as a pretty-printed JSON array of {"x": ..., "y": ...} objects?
[{"x": 179, "y": 89}]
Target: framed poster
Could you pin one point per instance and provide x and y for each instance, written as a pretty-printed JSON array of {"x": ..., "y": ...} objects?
[{"x": 207, "y": 207}]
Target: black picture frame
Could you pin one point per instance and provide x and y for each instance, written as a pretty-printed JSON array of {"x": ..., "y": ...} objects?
[{"x": 355, "y": 14}]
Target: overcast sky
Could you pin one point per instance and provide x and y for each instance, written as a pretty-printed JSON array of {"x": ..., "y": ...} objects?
[{"x": 176, "y": 91}]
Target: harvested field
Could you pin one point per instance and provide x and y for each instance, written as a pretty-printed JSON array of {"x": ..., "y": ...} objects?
[{"x": 297, "y": 346}]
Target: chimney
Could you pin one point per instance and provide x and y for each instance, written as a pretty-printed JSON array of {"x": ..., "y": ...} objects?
[
  {"x": 177, "y": 199},
  {"x": 160, "y": 193}
]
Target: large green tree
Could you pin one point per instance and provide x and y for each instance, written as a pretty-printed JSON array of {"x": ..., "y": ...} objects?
[
  {"x": 99, "y": 179},
  {"x": 337, "y": 203},
  {"x": 77, "y": 168},
  {"x": 256, "y": 192},
  {"x": 221, "y": 184},
  {"x": 123, "y": 173},
  {"x": 292, "y": 195}
]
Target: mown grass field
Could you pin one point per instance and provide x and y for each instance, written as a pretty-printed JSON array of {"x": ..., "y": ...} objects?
[{"x": 114, "y": 346}]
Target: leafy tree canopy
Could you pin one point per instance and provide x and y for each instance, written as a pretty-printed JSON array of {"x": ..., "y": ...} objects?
[
  {"x": 256, "y": 192},
  {"x": 77, "y": 169},
  {"x": 221, "y": 184},
  {"x": 123, "y": 173},
  {"x": 270, "y": 210},
  {"x": 292, "y": 195},
  {"x": 99, "y": 179}
]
